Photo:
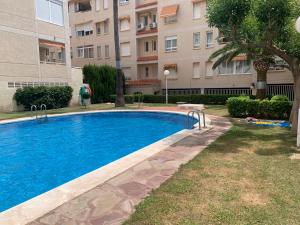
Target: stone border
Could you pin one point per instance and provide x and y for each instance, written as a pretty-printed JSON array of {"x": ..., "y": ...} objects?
[{"x": 40, "y": 205}]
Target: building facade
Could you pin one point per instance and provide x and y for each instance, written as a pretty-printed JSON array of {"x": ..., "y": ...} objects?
[
  {"x": 34, "y": 36},
  {"x": 156, "y": 35}
]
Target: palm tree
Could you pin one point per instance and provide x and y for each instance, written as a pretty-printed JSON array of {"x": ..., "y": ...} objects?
[
  {"x": 261, "y": 63},
  {"x": 120, "y": 102}
]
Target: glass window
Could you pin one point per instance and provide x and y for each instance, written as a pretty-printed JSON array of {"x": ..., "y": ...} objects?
[
  {"x": 105, "y": 4},
  {"x": 106, "y": 51},
  {"x": 99, "y": 52},
  {"x": 106, "y": 27},
  {"x": 57, "y": 16},
  {"x": 171, "y": 43},
  {"x": 209, "y": 39},
  {"x": 97, "y": 5},
  {"x": 235, "y": 67},
  {"x": 42, "y": 10},
  {"x": 146, "y": 46},
  {"x": 50, "y": 11},
  {"x": 171, "y": 19},
  {"x": 196, "y": 40},
  {"x": 196, "y": 11}
]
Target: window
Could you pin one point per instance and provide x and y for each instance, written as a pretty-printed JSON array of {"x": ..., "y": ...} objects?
[
  {"x": 209, "y": 39},
  {"x": 196, "y": 70},
  {"x": 171, "y": 19},
  {"x": 146, "y": 46},
  {"x": 106, "y": 26},
  {"x": 85, "y": 52},
  {"x": 125, "y": 49},
  {"x": 173, "y": 73},
  {"x": 52, "y": 52},
  {"x": 105, "y": 4},
  {"x": 208, "y": 69},
  {"x": 171, "y": 44},
  {"x": 278, "y": 65},
  {"x": 147, "y": 71},
  {"x": 84, "y": 29},
  {"x": 83, "y": 6},
  {"x": 196, "y": 11},
  {"x": 196, "y": 40},
  {"x": 145, "y": 19},
  {"x": 154, "y": 47},
  {"x": 98, "y": 28},
  {"x": 124, "y": 25},
  {"x": 106, "y": 51},
  {"x": 97, "y": 5},
  {"x": 50, "y": 11},
  {"x": 124, "y": 2},
  {"x": 235, "y": 67},
  {"x": 99, "y": 52}
]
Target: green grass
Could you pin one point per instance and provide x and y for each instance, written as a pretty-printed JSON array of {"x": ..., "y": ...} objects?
[{"x": 245, "y": 177}]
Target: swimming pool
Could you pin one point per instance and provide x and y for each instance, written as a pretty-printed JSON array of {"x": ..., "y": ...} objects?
[{"x": 37, "y": 157}]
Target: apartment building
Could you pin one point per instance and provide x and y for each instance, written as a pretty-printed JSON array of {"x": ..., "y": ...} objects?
[
  {"x": 34, "y": 39},
  {"x": 158, "y": 35}
]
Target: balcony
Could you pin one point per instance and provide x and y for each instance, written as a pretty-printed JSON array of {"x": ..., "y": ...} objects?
[
  {"x": 145, "y": 3},
  {"x": 52, "y": 52},
  {"x": 147, "y": 22},
  {"x": 147, "y": 58},
  {"x": 82, "y": 6},
  {"x": 144, "y": 82}
]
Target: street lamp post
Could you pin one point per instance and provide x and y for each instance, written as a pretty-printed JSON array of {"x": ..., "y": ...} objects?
[
  {"x": 167, "y": 73},
  {"x": 298, "y": 133}
]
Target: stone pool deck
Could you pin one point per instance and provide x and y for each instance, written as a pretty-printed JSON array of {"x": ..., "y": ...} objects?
[{"x": 114, "y": 201}]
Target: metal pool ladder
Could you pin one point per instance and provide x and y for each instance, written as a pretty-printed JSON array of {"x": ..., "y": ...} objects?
[
  {"x": 43, "y": 116},
  {"x": 191, "y": 114}
]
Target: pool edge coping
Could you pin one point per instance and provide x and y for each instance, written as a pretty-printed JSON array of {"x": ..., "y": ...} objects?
[{"x": 40, "y": 205}]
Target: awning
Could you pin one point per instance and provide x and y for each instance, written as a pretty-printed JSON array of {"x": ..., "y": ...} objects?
[
  {"x": 124, "y": 18},
  {"x": 52, "y": 44},
  {"x": 240, "y": 58},
  {"x": 170, "y": 66},
  {"x": 168, "y": 11}
]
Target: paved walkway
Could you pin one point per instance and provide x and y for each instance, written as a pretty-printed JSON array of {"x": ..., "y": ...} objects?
[{"x": 113, "y": 202}]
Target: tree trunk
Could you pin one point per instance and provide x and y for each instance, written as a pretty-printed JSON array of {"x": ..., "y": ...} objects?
[
  {"x": 261, "y": 67},
  {"x": 261, "y": 85},
  {"x": 120, "y": 102},
  {"x": 296, "y": 104}
]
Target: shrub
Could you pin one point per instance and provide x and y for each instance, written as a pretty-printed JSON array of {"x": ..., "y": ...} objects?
[
  {"x": 129, "y": 99},
  {"x": 194, "y": 99},
  {"x": 268, "y": 109},
  {"x": 102, "y": 81},
  {"x": 280, "y": 98},
  {"x": 53, "y": 97}
]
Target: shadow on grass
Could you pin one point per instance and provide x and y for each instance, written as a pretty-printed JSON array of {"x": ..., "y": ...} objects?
[{"x": 265, "y": 141}]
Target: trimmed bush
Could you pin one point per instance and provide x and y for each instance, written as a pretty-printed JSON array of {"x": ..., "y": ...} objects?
[
  {"x": 194, "y": 99},
  {"x": 102, "y": 81},
  {"x": 53, "y": 97},
  {"x": 267, "y": 109},
  {"x": 280, "y": 98},
  {"x": 129, "y": 99}
]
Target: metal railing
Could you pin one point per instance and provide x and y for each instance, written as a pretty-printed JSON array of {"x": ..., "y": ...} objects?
[
  {"x": 40, "y": 115},
  {"x": 191, "y": 115}
]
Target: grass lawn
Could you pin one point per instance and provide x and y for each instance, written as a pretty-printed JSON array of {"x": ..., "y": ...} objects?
[{"x": 245, "y": 177}]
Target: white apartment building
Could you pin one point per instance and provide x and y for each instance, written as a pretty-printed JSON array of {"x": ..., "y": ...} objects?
[{"x": 156, "y": 35}]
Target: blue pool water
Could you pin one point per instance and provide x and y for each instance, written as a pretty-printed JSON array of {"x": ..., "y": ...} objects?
[{"x": 37, "y": 157}]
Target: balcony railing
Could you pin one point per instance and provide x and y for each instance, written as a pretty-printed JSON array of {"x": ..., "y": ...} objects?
[
  {"x": 145, "y": 3},
  {"x": 147, "y": 58},
  {"x": 147, "y": 29}
]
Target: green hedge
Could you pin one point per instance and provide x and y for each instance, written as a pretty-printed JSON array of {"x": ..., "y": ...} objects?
[
  {"x": 102, "y": 81},
  {"x": 194, "y": 99},
  {"x": 267, "y": 109},
  {"x": 173, "y": 99},
  {"x": 53, "y": 97}
]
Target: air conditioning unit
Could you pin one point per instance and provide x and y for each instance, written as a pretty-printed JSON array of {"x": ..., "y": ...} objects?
[
  {"x": 153, "y": 25},
  {"x": 141, "y": 26}
]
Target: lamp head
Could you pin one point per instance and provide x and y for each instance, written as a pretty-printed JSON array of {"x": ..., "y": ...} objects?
[{"x": 166, "y": 72}]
